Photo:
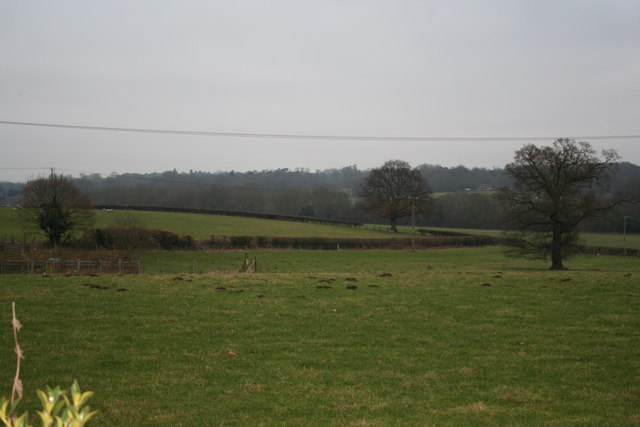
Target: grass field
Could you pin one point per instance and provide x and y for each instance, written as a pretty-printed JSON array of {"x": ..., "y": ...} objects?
[
  {"x": 613, "y": 240},
  {"x": 204, "y": 226},
  {"x": 446, "y": 337},
  {"x": 349, "y": 261},
  {"x": 9, "y": 224}
]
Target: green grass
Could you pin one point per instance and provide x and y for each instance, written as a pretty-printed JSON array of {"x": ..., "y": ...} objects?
[
  {"x": 9, "y": 224},
  {"x": 428, "y": 345},
  {"x": 204, "y": 226},
  {"x": 352, "y": 261},
  {"x": 613, "y": 240}
]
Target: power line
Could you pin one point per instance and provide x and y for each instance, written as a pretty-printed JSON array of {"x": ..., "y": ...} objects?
[
  {"x": 26, "y": 168},
  {"x": 313, "y": 137}
]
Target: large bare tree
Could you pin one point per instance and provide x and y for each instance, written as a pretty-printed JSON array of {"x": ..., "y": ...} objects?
[
  {"x": 394, "y": 191},
  {"x": 55, "y": 207},
  {"x": 555, "y": 189}
]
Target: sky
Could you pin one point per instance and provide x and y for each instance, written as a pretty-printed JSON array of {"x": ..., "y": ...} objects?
[{"x": 514, "y": 69}]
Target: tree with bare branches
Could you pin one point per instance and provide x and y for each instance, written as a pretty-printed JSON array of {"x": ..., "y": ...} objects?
[
  {"x": 555, "y": 189},
  {"x": 394, "y": 191},
  {"x": 55, "y": 207}
]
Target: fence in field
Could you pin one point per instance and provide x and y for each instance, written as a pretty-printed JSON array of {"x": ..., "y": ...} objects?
[
  {"x": 334, "y": 243},
  {"x": 76, "y": 266},
  {"x": 602, "y": 250},
  {"x": 11, "y": 247}
]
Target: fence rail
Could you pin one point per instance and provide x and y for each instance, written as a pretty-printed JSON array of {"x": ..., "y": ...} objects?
[
  {"x": 76, "y": 266},
  {"x": 11, "y": 247}
]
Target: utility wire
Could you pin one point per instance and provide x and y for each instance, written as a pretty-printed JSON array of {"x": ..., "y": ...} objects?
[
  {"x": 311, "y": 137},
  {"x": 26, "y": 168}
]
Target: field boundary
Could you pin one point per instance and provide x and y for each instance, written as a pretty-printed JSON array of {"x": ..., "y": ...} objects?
[
  {"x": 246, "y": 214},
  {"x": 69, "y": 266},
  {"x": 11, "y": 247},
  {"x": 606, "y": 250},
  {"x": 336, "y": 243}
]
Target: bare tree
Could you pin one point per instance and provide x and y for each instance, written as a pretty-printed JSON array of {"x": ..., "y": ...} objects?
[
  {"x": 55, "y": 207},
  {"x": 555, "y": 190},
  {"x": 394, "y": 191},
  {"x": 129, "y": 233}
]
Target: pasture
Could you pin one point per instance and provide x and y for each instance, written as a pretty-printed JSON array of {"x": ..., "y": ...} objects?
[
  {"x": 201, "y": 226},
  {"x": 434, "y": 337},
  {"x": 612, "y": 240},
  {"x": 204, "y": 226}
]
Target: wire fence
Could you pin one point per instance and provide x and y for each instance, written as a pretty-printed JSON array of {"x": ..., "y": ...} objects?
[
  {"x": 76, "y": 266},
  {"x": 11, "y": 247}
]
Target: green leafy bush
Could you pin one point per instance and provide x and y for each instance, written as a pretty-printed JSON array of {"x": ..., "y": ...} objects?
[{"x": 59, "y": 409}]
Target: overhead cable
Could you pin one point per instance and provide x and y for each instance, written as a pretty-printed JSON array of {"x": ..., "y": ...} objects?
[{"x": 315, "y": 137}]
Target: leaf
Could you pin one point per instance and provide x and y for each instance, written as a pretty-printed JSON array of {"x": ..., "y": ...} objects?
[
  {"x": 46, "y": 418},
  {"x": 21, "y": 421},
  {"x": 75, "y": 387},
  {"x": 85, "y": 415},
  {"x": 4, "y": 404}
]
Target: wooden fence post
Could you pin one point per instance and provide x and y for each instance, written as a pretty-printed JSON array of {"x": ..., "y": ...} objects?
[{"x": 120, "y": 265}]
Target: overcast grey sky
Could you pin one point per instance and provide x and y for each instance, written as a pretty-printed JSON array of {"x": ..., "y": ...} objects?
[{"x": 449, "y": 68}]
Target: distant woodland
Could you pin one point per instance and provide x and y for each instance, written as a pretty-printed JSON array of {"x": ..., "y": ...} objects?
[{"x": 464, "y": 197}]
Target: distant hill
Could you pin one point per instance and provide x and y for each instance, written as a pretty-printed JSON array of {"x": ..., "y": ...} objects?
[{"x": 326, "y": 194}]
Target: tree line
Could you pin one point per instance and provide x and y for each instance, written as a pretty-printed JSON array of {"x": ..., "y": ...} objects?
[
  {"x": 556, "y": 191},
  {"x": 348, "y": 179},
  {"x": 463, "y": 197}
]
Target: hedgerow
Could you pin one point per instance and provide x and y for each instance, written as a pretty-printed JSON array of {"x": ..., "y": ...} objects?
[{"x": 333, "y": 243}]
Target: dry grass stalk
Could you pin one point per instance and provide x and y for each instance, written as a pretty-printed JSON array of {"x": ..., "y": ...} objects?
[{"x": 17, "y": 383}]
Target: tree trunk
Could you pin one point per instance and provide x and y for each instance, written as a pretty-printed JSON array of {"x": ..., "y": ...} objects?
[
  {"x": 394, "y": 228},
  {"x": 556, "y": 264},
  {"x": 556, "y": 249}
]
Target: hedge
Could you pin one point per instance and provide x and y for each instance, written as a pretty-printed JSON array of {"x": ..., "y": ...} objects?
[
  {"x": 115, "y": 238},
  {"x": 605, "y": 250},
  {"x": 324, "y": 243}
]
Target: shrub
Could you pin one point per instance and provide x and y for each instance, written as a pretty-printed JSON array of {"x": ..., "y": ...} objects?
[
  {"x": 57, "y": 409},
  {"x": 141, "y": 238},
  {"x": 322, "y": 243}
]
